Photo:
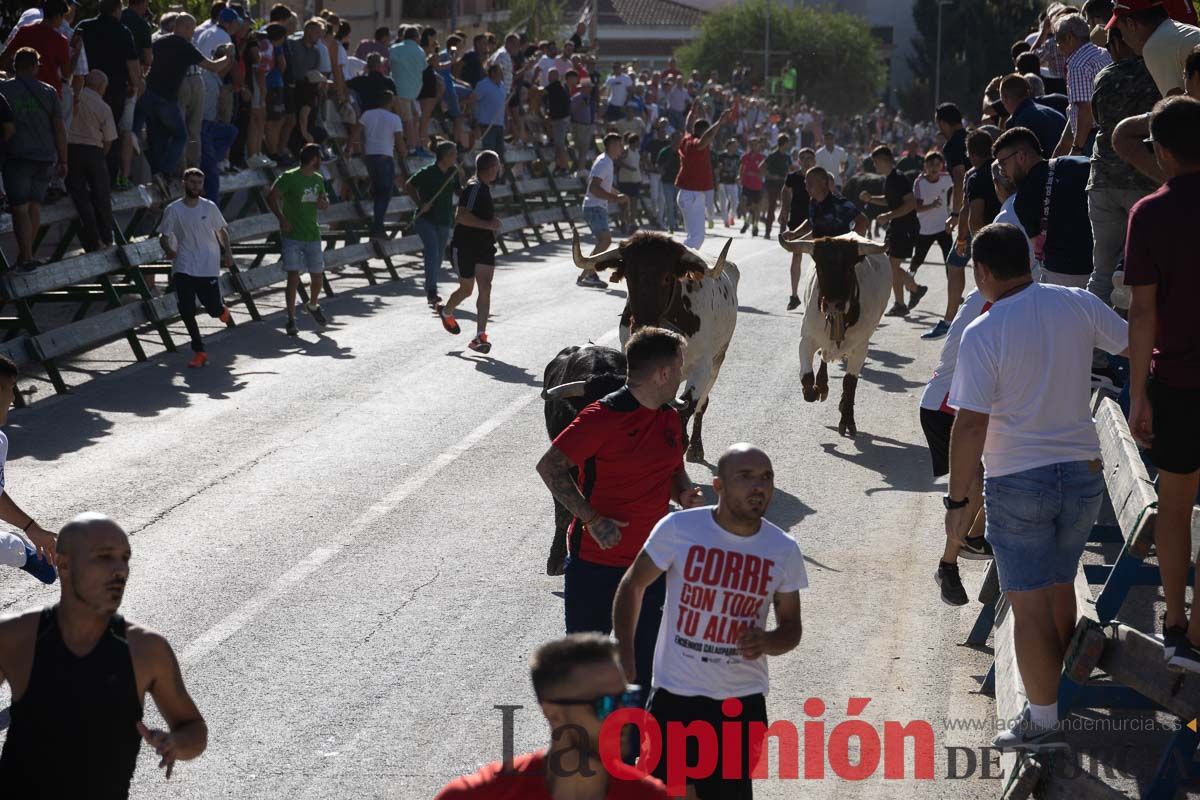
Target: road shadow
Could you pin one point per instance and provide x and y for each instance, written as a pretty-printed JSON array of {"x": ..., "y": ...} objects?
[
  {"x": 901, "y": 465},
  {"x": 498, "y": 370},
  {"x": 758, "y": 311},
  {"x": 890, "y": 382}
]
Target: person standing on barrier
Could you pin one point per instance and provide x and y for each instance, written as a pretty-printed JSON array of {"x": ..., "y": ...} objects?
[
  {"x": 695, "y": 178},
  {"x": 1164, "y": 357},
  {"x": 578, "y": 683},
  {"x": 433, "y": 188},
  {"x": 91, "y": 134},
  {"x": 1030, "y": 420},
  {"x": 34, "y": 550},
  {"x": 193, "y": 234},
  {"x": 295, "y": 199},
  {"x": 710, "y": 664},
  {"x": 473, "y": 249},
  {"x": 383, "y": 138},
  {"x": 79, "y": 673},
  {"x": 628, "y": 449}
]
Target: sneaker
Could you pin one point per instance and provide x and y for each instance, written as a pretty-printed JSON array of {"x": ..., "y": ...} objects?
[
  {"x": 710, "y": 224},
  {"x": 592, "y": 280},
  {"x": 291, "y": 329},
  {"x": 754, "y": 231},
  {"x": 480, "y": 344},
  {"x": 898, "y": 310},
  {"x": 1023, "y": 736},
  {"x": 38, "y": 567},
  {"x": 122, "y": 183},
  {"x": 937, "y": 331},
  {"x": 448, "y": 320},
  {"x": 729, "y": 222},
  {"x": 433, "y": 301},
  {"x": 1174, "y": 637},
  {"x": 793, "y": 303},
  {"x": 916, "y": 296},
  {"x": 225, "y": 317},
  {"x": 744, "y": 226},
  {"x": 953, "y": 592},
  {"x": 975, "y": 548},
  {"x": 198, "y": 360},
  {"x": 317, "y": 313}
]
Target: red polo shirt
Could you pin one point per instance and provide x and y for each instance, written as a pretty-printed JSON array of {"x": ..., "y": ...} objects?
[
  {"x": 54, "y": 52},
  {"x": 695, "y": 166},
  {"x": 627, "y": 456},
  {"x": 527, "y": 781}
]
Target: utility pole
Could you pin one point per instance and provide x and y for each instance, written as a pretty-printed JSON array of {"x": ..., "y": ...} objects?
[
  {"x": 767, "y": 47},
  {"x": 937, "y": 70}
]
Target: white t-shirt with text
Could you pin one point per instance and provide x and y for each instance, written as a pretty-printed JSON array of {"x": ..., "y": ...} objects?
[
  {"x": 933, "y": 221},
  {"x": 194, "y": 230},
  {"x": 618, "y": 89},
  {"x": 718, "y": 584},
  {"x": 380, "y": 127},
  {"x": 1027, "y": 363},
  {"x": 602, "y": 168}
]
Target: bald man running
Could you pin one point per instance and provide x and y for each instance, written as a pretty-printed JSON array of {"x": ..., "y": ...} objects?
[
  {"x": 79, "y": 673},
  {"x": 726, "y": 568}
]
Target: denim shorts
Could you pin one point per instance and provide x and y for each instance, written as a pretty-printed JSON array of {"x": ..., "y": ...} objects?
[
  {"x": 596, "y": 218},
  {"x": 302, "y": 256},
  {"x": 1039, "y": 520}
]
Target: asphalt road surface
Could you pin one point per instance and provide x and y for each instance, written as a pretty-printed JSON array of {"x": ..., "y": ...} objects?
[{"x": 344, "y": 537}]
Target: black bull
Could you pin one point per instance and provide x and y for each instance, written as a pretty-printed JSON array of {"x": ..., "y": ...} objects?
[{"x": 575, "y": 378}]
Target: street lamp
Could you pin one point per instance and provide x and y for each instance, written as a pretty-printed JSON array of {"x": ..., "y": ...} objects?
[{"x": 937, "y": 70}]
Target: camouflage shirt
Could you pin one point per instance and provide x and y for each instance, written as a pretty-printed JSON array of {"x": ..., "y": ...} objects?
[{"x": 1122, "y": 89}]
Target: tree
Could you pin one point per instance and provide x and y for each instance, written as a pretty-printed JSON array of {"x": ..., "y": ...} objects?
[
  {"x": 541, "y": 19},
  {"x": 838, "y": 62},
  {"x": 976, "y": 37}
]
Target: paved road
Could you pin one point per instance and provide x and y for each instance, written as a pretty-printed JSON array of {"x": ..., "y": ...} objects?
[{"x": 344, "y": 536}]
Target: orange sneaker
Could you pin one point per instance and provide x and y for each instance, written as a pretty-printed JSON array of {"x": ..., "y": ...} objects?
[
  {"x": 225, "y": 315},
  {"x": 198, "y": 360},
  {"x": 480, "y": 344},
  {"x": 448, "y": 321}
]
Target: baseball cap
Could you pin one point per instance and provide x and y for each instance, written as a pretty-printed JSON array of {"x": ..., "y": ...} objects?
[
  {"x": 1123, "y": 8},
  {"x": 228, "y": 15}
]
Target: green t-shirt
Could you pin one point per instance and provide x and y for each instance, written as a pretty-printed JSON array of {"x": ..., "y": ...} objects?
[
  {"x": 427, "y": 181},
  {"x": 789, "y": 79},
  {"x": 776, "y": 166},
  {"x": 298, "y": 194}
]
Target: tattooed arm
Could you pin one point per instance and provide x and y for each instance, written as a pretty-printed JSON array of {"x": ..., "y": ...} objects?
[{"x": 555, "y": 469}]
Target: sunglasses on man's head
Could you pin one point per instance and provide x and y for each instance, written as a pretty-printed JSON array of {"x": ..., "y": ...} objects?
[{"x": 606, "y": 704}]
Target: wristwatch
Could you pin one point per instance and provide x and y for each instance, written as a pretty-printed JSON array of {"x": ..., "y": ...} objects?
[{"x": 951, "y": 504}]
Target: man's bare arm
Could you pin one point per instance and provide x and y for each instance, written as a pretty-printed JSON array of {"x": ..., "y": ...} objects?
[
  {"x": 188, "y": 733},
  {"x": 555, "y": 469},
  {"x": 626, "y": 607}
]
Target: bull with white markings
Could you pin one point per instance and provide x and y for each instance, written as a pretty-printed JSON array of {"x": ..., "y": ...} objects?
[
  {"x": 674, "y": 287},
  {"x": 847, "y": 295}
]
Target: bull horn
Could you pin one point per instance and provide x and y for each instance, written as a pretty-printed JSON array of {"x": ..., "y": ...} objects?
[
  {"x": 717, "y": 268},
  {"x": 597, "y": 261},
  {"x": 866, "y": 247},
  {"x": 565, "y": 390},
  {"x": 678, "y": 404},
  {"x": 804, "y": 246}
]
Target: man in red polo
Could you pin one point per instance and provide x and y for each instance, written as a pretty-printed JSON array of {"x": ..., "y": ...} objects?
[
  {"x": 695, "y": 172},
  {"x": 628, "y": 449}
]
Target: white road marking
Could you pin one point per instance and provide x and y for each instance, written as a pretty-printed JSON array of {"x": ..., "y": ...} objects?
[{"x": 230, "y": 625}]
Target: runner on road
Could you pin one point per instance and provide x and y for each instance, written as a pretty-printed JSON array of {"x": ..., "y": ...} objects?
[
  {"x": 473, "y": 249},
  {"x": 194, "y": 235},
  {"x": 295, "y": 199},
  {"x": 79, "y": 674},
  {"x": 35, "y": 555},
  {"x": 726, "y": 568}
]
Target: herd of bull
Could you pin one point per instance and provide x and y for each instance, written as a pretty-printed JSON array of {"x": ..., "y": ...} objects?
[{"x": 674, "y": 287}]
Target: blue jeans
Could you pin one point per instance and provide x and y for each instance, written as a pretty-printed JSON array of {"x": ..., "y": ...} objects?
[
  {"x": 215, "y": 141},
  {"x": 670, "y": 199},
  {"x": 494, "y": 140},
  {"x": 434, "y": 239},
  {"x": 588, "y": 592},
  {"x": 1039, "y": 520},
  {"x": 382, "y": 170},
  {"x": 166, "y": 131}
]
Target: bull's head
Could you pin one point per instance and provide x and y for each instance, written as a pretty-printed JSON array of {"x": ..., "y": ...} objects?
[
  {"x": 837, "y": 283},
  {"x": 653, "y": 266}
]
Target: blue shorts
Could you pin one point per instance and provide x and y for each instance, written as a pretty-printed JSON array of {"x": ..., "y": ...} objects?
[
  {"x": 301, "y": 256},
  {"x": 1039, "y": 520},
  {"x": 955, "y": 260},
  {"x": 596, "y": 218}
]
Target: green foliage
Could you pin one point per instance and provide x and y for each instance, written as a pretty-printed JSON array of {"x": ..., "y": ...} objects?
[
  {"x": 542, "y": 19},
  {"x": 976, "y": 37},
  {"x": 838, "y": 62}
]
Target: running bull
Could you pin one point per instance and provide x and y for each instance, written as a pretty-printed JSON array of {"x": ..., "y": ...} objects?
[
  {"x": 671, "y": 286},
  {"x": 577, "y": 377},
  {"x": 847, "y": 295}
]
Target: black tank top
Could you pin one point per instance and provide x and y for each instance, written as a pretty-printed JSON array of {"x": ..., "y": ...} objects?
[{"x": 74, "y": 731}]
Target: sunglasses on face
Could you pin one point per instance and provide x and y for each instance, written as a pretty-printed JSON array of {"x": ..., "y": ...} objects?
[{"x": 606, "y": 704}]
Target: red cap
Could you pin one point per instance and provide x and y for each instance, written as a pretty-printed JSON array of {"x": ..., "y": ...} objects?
[{"x": 1123, "y": 8}]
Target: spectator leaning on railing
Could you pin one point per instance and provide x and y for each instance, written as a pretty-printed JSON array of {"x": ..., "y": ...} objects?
[
  {"x": 111, "y": 49},
  {"x": 92, "y": 133}
]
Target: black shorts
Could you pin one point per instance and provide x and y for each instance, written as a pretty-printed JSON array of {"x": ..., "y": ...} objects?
[
  {"x": 428, "y": 85},
  {"x": 900, "y": 243},
  {"x": 752, "y": 196},
  {"x": 466, "y": 259},
  {"x": 1176, "y": 445},
  {"x": 276, "y": 103},
  {"x": 667, "y": 707},
  {"x": 937, "y": 425},
  {"x": 926, "y": 241},
  {"x": 631, "y": 189}
]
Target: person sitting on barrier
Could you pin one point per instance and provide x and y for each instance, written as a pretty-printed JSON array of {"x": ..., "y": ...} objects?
[
  {"x": 1030, "y": 420},
  {"x": 295, "y": 199},
  {"x": 194, "y": 234},
  {"x": 36, "y": 553},
  {"x": 1164, "y": 347},
  {"x": 473, "y": 249}
]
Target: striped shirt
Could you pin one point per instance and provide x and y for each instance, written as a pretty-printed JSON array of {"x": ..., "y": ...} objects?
[{"x": 1082, "y": 68}]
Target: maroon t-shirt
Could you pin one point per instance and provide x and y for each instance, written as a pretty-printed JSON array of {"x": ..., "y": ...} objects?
[
  {"x": 627, "y": 456},
  {"x": 1158, "y": 250},
  {"x": 527, "y": 781}
]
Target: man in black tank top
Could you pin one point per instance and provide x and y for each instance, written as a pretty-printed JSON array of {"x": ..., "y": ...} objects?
[{"x": 79, "y": 673}]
